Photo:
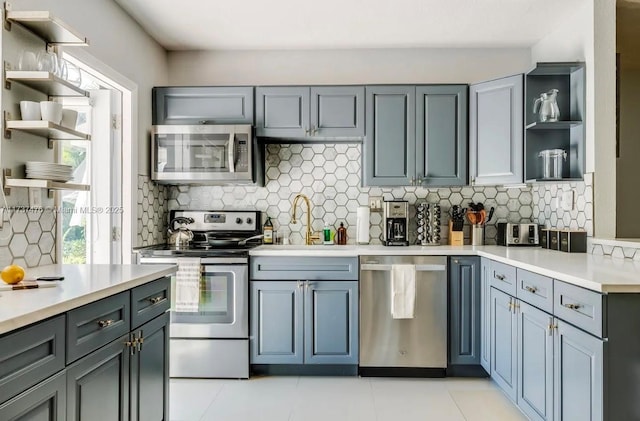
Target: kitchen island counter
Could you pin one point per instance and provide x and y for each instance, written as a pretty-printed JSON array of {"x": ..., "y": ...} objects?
[
  {"x": 82, "y": 284},
  {"x": 598, "y": 273}
]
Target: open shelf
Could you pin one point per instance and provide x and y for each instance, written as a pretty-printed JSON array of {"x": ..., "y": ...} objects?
[
  {"x": 46, "y": 129},
  {"x": 46, "y": 26},
  {"x": 44, "y": 82},
  {"x": 554, "y": 125},
  {"x": 44, "y": 184}
]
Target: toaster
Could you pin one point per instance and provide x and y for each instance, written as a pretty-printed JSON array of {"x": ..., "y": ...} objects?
[{"x": 517, "y": 234}]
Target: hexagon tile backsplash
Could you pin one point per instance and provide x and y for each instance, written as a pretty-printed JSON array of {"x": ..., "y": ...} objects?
[
  {"x": 330, "y": 176},
  {"x": 29, "y": 239},
  {"x": 152, "y": 212}
]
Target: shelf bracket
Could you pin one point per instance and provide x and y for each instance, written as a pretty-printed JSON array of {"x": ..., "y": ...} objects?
[
  {"x": 5, "y": 69},
  {"x": 6, "y": 174},
  {"x": 7, "y": 22},
  {"x": 50, "y": 193},
  {"x": 6, "y": 116}
]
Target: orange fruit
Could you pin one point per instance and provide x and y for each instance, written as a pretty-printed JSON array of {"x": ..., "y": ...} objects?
[{"x": 12, "y": 274}]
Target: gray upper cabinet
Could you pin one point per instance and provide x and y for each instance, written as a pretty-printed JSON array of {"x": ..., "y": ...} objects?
[
  {"x": 389, "y": 149},
  {"x": 485, "y": 314},
  {"x": 504, "y": 341},
  {"x": 203, "y": 105},
  {"x": 310, "y": 113},
  {"x": 496, "y": 131},
  {"x": 441, "y": 135},
  {"x": 337, "y": 111},
  {"x": 464, "y": 304}
]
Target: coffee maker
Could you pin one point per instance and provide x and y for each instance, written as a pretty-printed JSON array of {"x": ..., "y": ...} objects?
[{"x": 395, "y": 216}]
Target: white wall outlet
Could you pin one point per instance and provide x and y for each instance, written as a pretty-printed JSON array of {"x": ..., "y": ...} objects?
[
  {"x": 566, "y": 200},
  {"x": 1, "y": 217},
  {"x": 35, "y": 198},
  {"x": 375, "y": 203}
]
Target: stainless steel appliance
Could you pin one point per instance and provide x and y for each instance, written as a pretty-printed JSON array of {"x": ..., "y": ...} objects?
[
  {"x": 395, "y": 216},
  {"x": 415, "y": 346},
  {"x": 518, "y": 234},
  {"x": 212, "y": 339},
  {"x": 207, "y": 154}
]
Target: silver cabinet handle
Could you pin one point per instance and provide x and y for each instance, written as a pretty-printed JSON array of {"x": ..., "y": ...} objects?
[
  {"x": 300, "y": 284},
  {"x": 572, "y": 306},
  {"x": 140, "y": 341},
  {"x": 105, "y": 323},
  {"x": 314, "y": 130},
  {"x": 532, "y": 290},
  {"x": 307, "y": 284},
  {"x": 499, "y": 277},
  {"x": 155, "y": 300},
  {"x": 307, "y": 131},
  {"x": 419, "y": 268}
]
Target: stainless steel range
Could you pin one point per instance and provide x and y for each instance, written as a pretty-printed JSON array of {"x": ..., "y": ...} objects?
[{"x": 210, "y": 293}]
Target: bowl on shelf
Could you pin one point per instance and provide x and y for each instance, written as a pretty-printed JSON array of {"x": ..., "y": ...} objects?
[
  {"x": 69, "y": 118},
  {"x": 51, "y": 111},
  {"x": 30, "y": 110}
]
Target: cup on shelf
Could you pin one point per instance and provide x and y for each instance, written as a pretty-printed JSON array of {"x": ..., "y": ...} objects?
[
  {"x": 48, "y": 62},
  {"x": 27, "y": 60},
  {"x": 74, "y": 75},
  {"x": 30, "y": 110},
  {"x": 69, "y": 118},
  {"x": 51, "y": 111}
]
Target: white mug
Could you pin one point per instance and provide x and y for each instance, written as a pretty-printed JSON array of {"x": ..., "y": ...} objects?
[
  {"x": 51, "y": 111},
  {"x": 30, "y": 110},
  {"x": 69, "y": 118},
  {"x": 27, "y": 61}
]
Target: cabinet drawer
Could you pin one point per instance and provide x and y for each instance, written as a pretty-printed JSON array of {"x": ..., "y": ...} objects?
[
  {"x": 30, "y": 355},
  {"x": 503, "y": 277},
  {"x": 580, "y": 307},
  {"x": 305, "y": 268},
  {"x": 96, "y": 324},
  {"x": 535, "y": 289},
  {"x": 150, "y": 300}
]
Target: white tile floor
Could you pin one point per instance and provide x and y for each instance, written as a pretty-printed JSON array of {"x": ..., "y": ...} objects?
[{"x": 339, "y": 398}]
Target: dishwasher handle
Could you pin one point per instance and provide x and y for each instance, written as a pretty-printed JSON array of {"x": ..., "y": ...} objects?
[{"x": 419, "y": 268}]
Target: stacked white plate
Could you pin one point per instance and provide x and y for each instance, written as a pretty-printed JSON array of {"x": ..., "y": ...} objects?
[{"x": 49, "y": 171}]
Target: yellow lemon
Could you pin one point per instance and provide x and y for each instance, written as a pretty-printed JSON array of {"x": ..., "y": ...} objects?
[{"x": 12, "y": 274}]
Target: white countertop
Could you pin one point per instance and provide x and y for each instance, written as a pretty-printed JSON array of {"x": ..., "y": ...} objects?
[
  {"x": 598, "y": 273},
  {"x": 82, "y": 285}
]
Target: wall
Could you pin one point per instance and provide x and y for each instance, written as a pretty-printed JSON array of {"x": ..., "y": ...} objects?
[
  {"x": 365, "y": 66},
  {"x": 330, "y": 176}
]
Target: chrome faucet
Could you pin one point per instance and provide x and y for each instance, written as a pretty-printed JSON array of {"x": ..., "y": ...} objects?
[{"x": 309, "y": 237}]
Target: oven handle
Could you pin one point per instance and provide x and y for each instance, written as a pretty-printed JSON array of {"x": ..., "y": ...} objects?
[
  {"x": 419, "y": 268},
  {"x": 203, "y": 261}
]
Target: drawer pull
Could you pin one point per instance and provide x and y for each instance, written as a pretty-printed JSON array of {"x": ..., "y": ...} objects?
[
  {"x": 532, "y": 290},
  {"x": 499, "y": 277},
  {"x": 572, "y": 306},
  {"x": 155, "y": 300},
  {"x": 105, "y": 323}
]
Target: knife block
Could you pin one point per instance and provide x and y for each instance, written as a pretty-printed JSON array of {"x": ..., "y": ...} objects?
[{"x": 456, "y": 238}]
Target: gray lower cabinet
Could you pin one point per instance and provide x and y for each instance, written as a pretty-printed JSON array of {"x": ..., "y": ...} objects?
[
  {"x": 331, "y": 322},
  {"x": 45, "y": 401},
  {"x": 504, "y": 341},
  {"x": 464, "y": 308},
  {"x": 276, "y": 322},
  {"x": 535, "y": 362},
  {"x": 496, "y": 131},
  {"x": 149, "y": 372},
  {"x": 304, "y": 322},
  {"x": 485, "y": 314},
  {"x": 579, "y": 377},
  {"x": 98, "y": 384},
  {"x": 203, "y": 105},
  {"x": 441, "y": 135}
]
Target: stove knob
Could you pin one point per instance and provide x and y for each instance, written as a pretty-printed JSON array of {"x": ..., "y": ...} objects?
[
  {"x": 249, "y": 221},
  {"x": 238, "y": 221}
]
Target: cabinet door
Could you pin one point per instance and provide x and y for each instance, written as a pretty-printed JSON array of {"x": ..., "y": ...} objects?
[
  {"x": 464, "y": 302},
  {"x": 150, "y": 372},
  {"x": 496, "y": 131},
  {"x": 282, "y": 111},
  {"x": 337, "y": 111},
  {"x": 535, "y": 362},
  {"x": 98, "y": 384},
  {"x": 504, "y": 329},
  {"x": 276, "y": 322},
  {"x": 203, "y": 105},
  {"x": 441, "y": 135},
  {"x": 46, "y": 401},
  {"x": 485, "y": 314},
  {"x": 578, "y": 374},
  {"x": 389, "y": 148},
  {"x": 331, "y": 322}
]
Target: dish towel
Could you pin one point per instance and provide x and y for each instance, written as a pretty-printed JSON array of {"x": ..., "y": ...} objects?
[
  {"x": 403, "y": 291},
  {"x": 188, "y": 286}
]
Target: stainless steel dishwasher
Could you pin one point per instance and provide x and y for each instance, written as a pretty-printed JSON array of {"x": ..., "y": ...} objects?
[{"x": 403, "y": 347}]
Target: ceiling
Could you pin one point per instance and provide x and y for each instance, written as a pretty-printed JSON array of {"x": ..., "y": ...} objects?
[{"x": 342, "y": 24}]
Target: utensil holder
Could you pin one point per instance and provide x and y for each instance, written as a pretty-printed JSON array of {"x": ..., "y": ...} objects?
[
  {"x": 477, "y": 235},
  {"x": 456, "y": 238}
]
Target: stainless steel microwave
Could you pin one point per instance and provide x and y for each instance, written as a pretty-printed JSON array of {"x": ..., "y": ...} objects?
[{"x": 204, "y": 154}]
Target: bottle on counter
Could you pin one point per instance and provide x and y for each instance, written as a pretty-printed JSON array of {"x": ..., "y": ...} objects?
[
  {"x": 326, "y": 234},
  {"x": 267, "y": 230},
  {"x": 341, "y": 235}
]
